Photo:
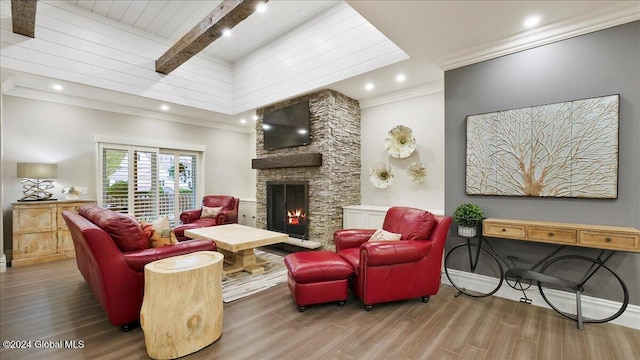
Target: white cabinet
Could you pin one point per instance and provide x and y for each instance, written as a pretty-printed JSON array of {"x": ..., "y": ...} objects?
[
  {"x": 247, "y": 213},
  {"x": 363, "y": 216}
]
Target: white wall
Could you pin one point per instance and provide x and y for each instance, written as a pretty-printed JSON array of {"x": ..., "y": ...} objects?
[
  {"x": 40, "y": 131},
  {"x": 3, "y": 258},
  {"x": 254, "y": 173},
  {"x": 425, "y": 116}
]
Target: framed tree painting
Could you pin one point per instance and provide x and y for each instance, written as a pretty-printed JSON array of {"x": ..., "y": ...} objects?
[{"x": 568, "y": 149}]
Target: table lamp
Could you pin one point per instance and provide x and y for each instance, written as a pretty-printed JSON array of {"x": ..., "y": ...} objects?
[{"x": 36, "y": 180}]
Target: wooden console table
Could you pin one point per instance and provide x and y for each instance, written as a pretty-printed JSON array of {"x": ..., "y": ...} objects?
[
  {"x": 40, "y": 233},
  {"x": 594, "y": 236}
]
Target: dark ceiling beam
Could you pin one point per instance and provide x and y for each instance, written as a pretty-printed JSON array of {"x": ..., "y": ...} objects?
[
  {"x": 227, "y": 15},
  {"x": 23, "y": 17}
]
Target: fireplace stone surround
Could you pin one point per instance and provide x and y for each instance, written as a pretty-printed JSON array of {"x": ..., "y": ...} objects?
[{"x": 334, "y": 180}]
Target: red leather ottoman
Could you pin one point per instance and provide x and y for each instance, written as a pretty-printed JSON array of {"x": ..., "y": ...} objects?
[{"x": 317, "y": 277}]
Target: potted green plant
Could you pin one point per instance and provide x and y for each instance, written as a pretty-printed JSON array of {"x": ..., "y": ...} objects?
[{"x": 467, "y": 216}]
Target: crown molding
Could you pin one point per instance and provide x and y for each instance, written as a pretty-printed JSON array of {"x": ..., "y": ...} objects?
[
  {"x": 600, "y": 19},
  {"x": 406, "y": 94},
  {"x": 8, "y": 85},
  {"x": 118, "y": 108}
]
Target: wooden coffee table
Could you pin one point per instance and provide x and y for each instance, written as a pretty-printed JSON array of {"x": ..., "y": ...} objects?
[{"x": 236, "y": 242}]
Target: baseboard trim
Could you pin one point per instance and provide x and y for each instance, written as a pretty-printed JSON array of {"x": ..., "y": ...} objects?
[{"x": 591, "y": 306}]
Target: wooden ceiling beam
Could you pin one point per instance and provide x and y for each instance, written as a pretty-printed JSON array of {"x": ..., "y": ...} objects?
[
  {"x": 23, "y": 17},
  {"x": 227, "y": 15}
]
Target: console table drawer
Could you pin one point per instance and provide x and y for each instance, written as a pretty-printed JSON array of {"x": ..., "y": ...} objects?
[
  {"x": 594, "y": 236},
  {"x": 609, "y": 240},
  {"x": 504, "y": 230},
  {"x": 549, "y": 234}
]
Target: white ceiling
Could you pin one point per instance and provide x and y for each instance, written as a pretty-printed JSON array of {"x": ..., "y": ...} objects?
[
  {"x": 173, "y": 19},
  {"x": 437, "y": 35}
]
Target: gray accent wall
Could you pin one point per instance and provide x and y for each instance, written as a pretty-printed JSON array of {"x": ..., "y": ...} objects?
[{"x": 596, "y": 64}]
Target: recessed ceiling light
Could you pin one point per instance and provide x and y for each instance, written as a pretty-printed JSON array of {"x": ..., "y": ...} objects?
[
  {"x": 164, "y": 107},
  {"x": 369, "y": 86},
  {"x": 226, "y": 32},
  {"x": 254, "y": 117},
  {"x": 57, "y": 87},
  {"x": 261, "y": 7},
  {"x": 532, "y": 21},
  {"x": 243, "y": 121},
  {"x": 401, "y": 78}
]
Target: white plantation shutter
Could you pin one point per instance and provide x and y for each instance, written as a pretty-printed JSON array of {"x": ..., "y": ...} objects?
[
  {"x": 129, "y": 180},
  {"x": 148, "y": 182},
  {"x": 115, "y": 178},
  {"x": 178, "y": 181},
  {"x": 167, "y": 187},
  {"x": 145, "y": 185},
  {"x": 188, "y": 200}
]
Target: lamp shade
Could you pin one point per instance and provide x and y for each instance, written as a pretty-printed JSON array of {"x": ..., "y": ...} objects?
[{"x": 37, "y": 171}]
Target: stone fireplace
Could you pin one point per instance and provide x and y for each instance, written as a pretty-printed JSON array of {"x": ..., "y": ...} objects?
[{"x": 329, "y": 165}]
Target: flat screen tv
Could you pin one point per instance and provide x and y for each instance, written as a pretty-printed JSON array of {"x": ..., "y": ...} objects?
[{"x": 286, "y": 127}]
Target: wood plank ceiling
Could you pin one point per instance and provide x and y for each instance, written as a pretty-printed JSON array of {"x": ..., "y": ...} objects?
[
  {"x": 172, "y": 19},
  {"x": 223, "y": 18}
]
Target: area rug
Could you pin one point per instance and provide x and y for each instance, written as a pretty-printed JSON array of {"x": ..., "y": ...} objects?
[{"x": 241, "y": 284}]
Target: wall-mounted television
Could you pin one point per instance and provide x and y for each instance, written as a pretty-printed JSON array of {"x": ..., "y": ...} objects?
[{"x": 286, "y": 127}]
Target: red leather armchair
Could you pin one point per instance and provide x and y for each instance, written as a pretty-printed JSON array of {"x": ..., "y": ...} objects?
[
  {"x": 396, "y": 270},
  {"x": 116, "y": 276},
  {"x": 191, "y": 218}
]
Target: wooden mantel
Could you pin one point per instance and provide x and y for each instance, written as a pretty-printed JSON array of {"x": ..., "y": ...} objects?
[{"x": 288, "y": 161}]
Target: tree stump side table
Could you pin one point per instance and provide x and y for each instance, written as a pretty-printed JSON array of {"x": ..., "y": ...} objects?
[{"x": 182, "y": 305}]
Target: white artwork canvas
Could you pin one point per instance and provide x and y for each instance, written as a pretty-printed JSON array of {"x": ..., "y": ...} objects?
[{"x": 567, "y": 149}]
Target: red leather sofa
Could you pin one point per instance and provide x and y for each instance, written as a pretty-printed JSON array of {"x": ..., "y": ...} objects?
[
  {"x": 111, "y": 252},
  {"x": 396, "y": 270},
  {"x": 191, "y": 219}
]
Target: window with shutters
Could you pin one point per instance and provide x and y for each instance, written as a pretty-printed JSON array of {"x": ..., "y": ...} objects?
[
  {"x": 148, "y": 182},
  {"x": 178, "y": 183}
]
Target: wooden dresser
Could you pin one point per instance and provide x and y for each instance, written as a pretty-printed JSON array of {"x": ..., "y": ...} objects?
[
  {"x": 40, "y": 233},
  {"x": 594, "y": 236}
]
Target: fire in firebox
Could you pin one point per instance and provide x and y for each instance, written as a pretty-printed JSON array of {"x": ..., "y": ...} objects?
[{"x": 295, "y": 217}]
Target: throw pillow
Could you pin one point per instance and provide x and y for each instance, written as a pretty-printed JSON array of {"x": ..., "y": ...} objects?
[
  {"x": 147, "y": 229},
  {"x": 160, "y": 232},
  {"x": 210, "y": 211},
  {"x": 383, "y": 235}
]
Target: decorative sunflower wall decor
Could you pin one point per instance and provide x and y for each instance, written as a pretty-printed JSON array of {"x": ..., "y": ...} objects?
[
  {"x": 400, "y": 142},
  {"x": 416, "y": 172},
  {"x": 380, "y": 175}
]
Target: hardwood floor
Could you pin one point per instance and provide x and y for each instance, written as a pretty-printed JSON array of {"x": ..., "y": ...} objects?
[{"x": 51, "y": 302}]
